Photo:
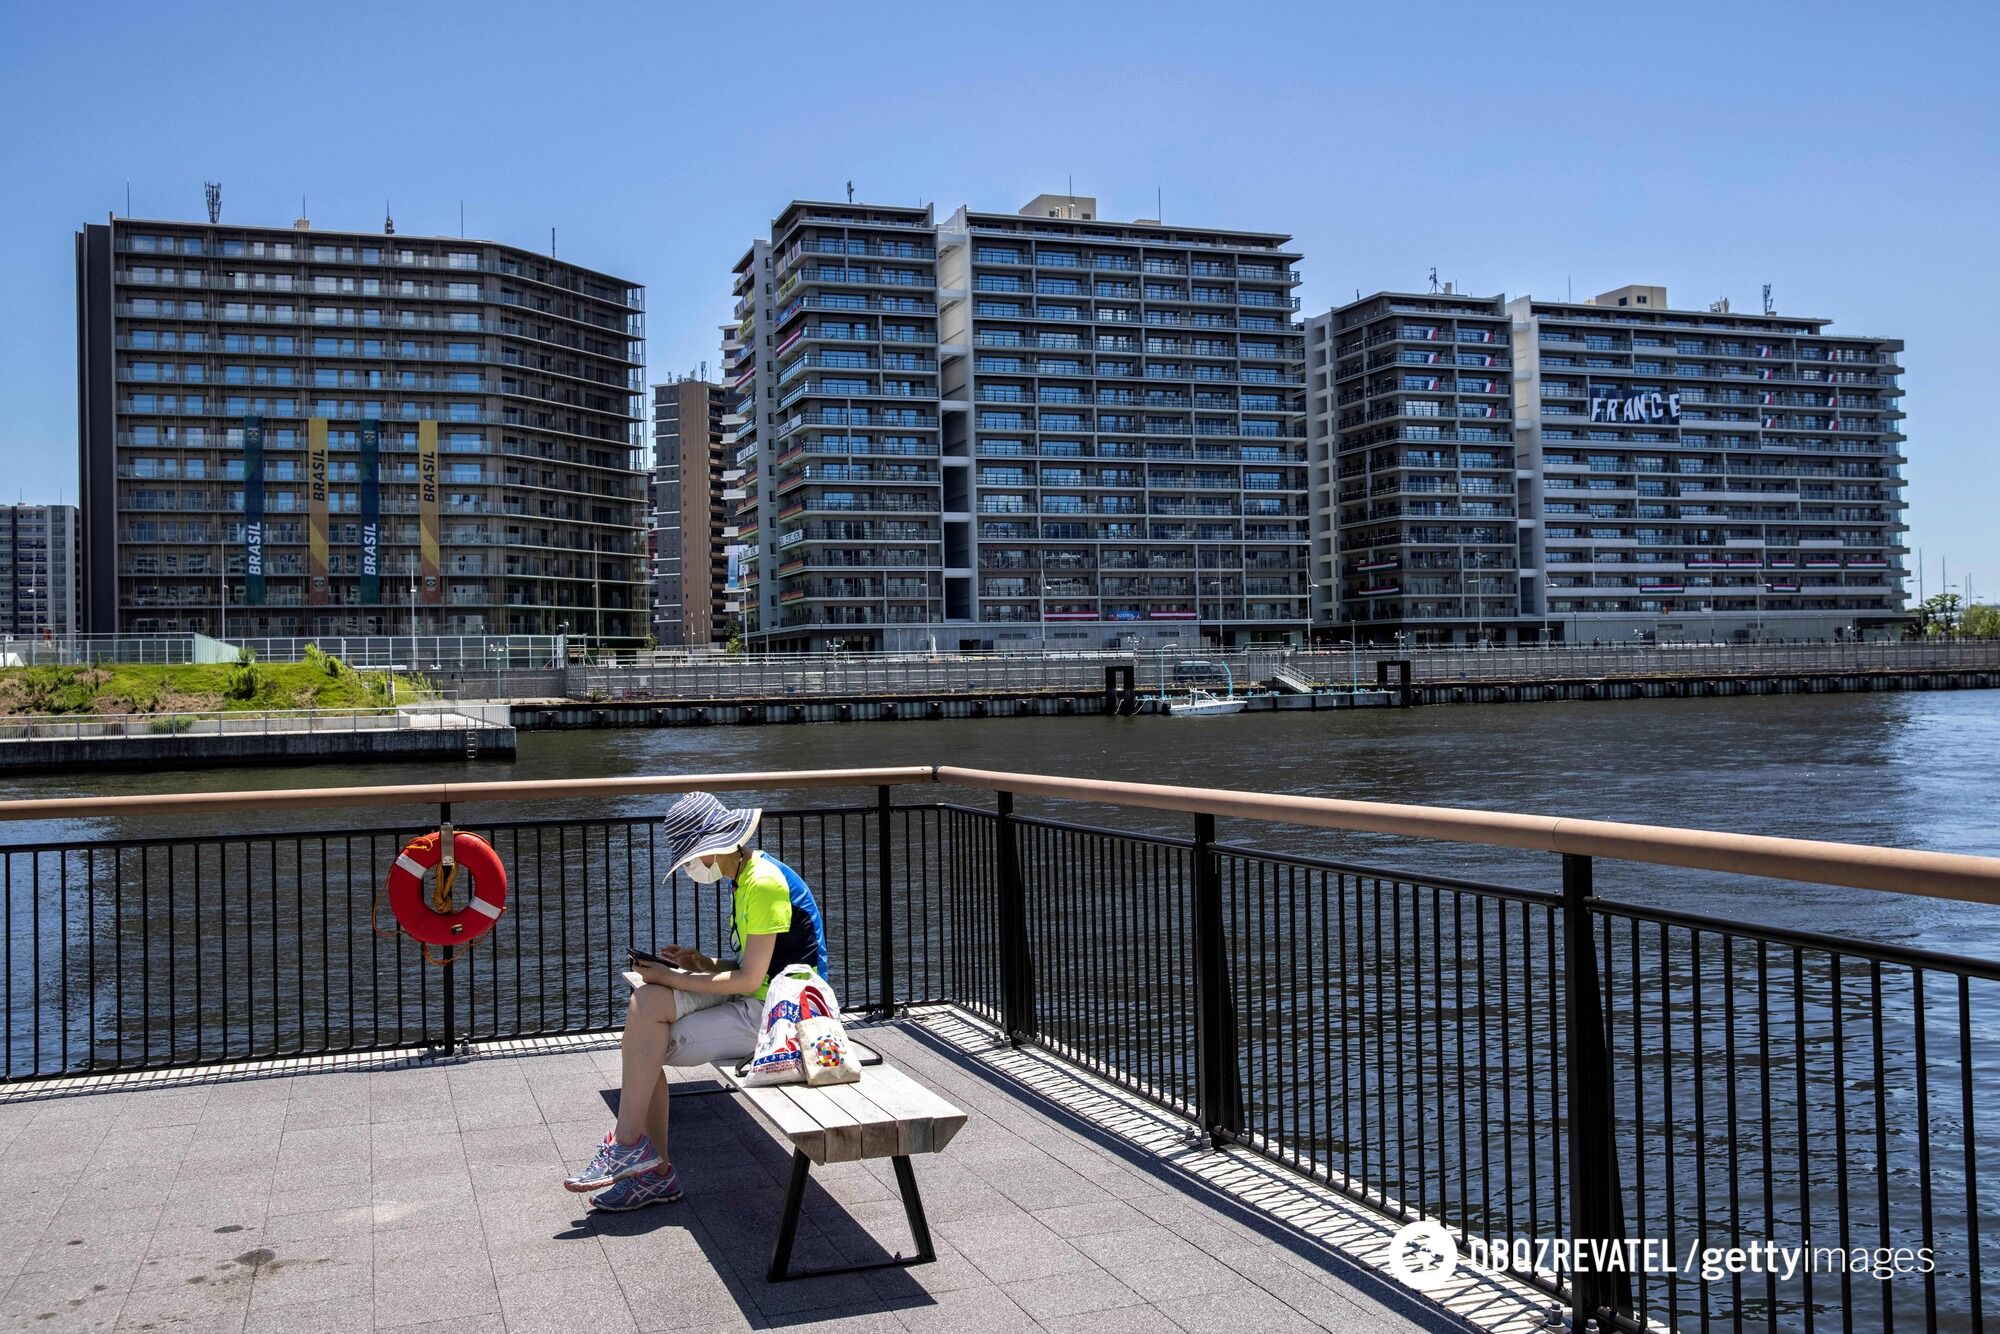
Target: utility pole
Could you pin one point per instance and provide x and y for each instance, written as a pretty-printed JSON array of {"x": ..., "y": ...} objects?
[{"x": 413, "y": 611}]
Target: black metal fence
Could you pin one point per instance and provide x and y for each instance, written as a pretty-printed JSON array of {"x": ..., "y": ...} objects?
[{"x": 1526, "y": 1066}]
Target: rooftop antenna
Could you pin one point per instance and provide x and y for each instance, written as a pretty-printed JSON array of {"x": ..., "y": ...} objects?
[
  {"x": 1569, "y": 289},
  {"x": 388, "y": 220},
  {"x": 850, "y": 192},
  {"x": 212, "y": 190},
  {"x": 1769, "y": 309},
  {"x": 128, "y": 196},
  {"x": 552, "y": 243},
  {"x": 461, "y": 224},
  {"x": 1159, "y": 206},
  {"x": 1434, "y": 279}
]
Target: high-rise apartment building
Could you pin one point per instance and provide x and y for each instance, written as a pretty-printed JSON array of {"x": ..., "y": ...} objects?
[
  {"x": 691, "y": 602},
  {"x": 1412, "y": 434},
  {"x": 1657, "y": 474},
  {"x": 356, "y": 433},
  {"x": 38, "y": 571},
  {"x": 1007, "y": 430}
]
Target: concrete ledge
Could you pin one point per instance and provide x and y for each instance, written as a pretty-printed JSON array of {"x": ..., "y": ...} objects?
[{"x": 174, "y": 751}]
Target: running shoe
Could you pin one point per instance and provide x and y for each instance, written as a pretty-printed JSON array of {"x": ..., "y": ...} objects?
[
  {"x": 614, "y": 1162},
  {"x": 637, "y": 1192}
]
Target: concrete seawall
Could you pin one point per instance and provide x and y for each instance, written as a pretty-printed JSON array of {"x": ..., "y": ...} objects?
[
  {"x": 456, "y": 737},
  {"x": 567, "y": 714}
]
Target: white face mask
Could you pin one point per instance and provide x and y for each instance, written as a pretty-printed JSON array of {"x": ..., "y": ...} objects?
[{"x": 703, "y": 872}]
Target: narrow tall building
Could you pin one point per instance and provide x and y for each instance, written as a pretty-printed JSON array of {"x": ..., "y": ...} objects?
[
  {"x": 38, "y": 571},
  {"x": 691, "y": 601},
  {"x": 1014, "y": 430},
  {"x": 1659, "y": 474},
  {"x": 356, "y": 433}
]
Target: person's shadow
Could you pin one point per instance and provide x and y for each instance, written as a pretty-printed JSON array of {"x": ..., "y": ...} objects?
[{"x": 735, "y": 1175}]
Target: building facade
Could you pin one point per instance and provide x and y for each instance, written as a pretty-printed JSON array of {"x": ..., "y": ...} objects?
[
  {"x": 692, "y": 604},
  {"x": 38, "y": 571},
  {"x": 1010, "y": 430},
  {"x": 1657, "y": 474},
  {"x": 356, "y": 433}
]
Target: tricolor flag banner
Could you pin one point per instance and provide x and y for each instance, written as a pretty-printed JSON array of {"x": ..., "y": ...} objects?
[
  {"x": 427, "y": 510},
  {"x": 371, "y": 512},
  {"x": 253, "y": 511},
  {"x": 316, "y": 492}
]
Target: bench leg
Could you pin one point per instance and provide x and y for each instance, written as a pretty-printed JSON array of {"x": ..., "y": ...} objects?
[
  {"x": 913, "y": 1209},
  {"x": 788, "y": 1225}
]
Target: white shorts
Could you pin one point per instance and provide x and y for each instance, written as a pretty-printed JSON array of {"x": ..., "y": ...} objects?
[{"x": 713, "y": 1028}]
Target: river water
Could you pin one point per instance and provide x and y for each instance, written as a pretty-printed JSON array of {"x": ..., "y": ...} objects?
[{"x": 1917, "y": 770}]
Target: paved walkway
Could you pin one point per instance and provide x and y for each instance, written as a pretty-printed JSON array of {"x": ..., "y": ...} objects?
[{"x": 377, "y": 1194}]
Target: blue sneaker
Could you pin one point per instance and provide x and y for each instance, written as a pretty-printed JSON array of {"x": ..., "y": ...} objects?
[
  {"x": 637, "y": 1192},
  {"x": 614, "y": 1162}
]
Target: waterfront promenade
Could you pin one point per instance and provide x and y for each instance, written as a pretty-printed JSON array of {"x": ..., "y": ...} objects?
[{"x": 399, "y": 1193}]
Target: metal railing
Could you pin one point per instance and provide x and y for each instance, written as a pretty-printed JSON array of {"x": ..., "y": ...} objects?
[
  {"x": 756, "y": 676},
  {"x": 414, "y": 653},
  {"x": 1514, "y": 1061}
]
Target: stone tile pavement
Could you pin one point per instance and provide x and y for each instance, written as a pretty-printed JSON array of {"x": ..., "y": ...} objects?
[{"x": 378, "y": 1193}]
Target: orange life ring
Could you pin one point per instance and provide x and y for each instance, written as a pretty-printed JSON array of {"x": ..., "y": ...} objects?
[{"x": 413, "y": 910}]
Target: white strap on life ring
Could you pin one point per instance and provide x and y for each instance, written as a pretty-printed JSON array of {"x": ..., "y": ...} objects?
[
  {"x": 405, "y": 862},
  {"x": 481, "y": 905}
]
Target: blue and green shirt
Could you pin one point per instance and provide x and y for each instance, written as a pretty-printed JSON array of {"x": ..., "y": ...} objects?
[{"x": 772, "y": 900}]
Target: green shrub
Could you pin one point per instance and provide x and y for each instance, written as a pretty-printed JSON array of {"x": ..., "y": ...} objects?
[{"x": 246, "y": 680}]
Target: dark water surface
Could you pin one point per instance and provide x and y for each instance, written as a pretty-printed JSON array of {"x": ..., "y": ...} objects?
[{"x": 1919, "y": 770}]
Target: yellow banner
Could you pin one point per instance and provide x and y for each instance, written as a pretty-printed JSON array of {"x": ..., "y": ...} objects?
[
  {"x": 317, "y": 589},
  {"x": 427, "y": 509}
]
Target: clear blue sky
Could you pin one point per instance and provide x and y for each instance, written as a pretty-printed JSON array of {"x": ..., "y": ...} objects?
[{"x": 1844, "y": 152}]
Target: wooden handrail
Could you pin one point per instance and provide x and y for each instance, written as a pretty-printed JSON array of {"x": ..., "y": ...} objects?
[
  {"x": 433, "y": 794},
  {"x": 1945, "y": 875}
]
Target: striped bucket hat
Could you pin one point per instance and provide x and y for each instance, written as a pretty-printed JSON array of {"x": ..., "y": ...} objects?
[{"x": 700, "y": 826}]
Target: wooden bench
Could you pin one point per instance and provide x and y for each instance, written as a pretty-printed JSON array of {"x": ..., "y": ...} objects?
[{"x": 886, "y": 1114}]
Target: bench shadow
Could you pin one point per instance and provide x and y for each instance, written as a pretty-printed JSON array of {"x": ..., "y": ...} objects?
[
  {"x": 735, "y": 1174},
  {"x": 1370, "y": 1282}
]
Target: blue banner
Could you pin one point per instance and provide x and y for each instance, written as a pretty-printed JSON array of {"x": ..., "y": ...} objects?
[
  {"x": 253, "y": 511},
  {"x": 371, "y": 513}
]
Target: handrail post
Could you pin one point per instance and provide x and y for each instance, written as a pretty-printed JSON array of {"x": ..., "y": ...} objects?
[
  {"x": 886, "y": 917},
  {"x": 1017, "y": 964},
  {"x": 1218, "y": 1078},
  {"x": 1596, "y": 1206},
  {"x": 448, "y": 968}
]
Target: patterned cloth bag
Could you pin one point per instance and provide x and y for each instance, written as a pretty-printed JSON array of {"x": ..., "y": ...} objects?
[{"x": 801, "y": 1039}]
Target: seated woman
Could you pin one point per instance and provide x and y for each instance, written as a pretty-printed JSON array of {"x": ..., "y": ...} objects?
[{"x": 700, "y": 1009}]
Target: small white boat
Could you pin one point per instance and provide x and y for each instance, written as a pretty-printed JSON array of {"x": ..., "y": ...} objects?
[{"x": 1201, "y": 704}]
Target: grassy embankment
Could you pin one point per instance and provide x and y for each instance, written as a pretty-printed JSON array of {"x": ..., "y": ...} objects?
[{"x": 321, "y": 682}]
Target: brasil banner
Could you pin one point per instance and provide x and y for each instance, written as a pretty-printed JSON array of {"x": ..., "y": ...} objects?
[
  {"x": 316, "y": 579},
  {"x": 371, "y": 512},
  {"x": 253, "y": 511},
  {"x": 427, "y": 509}
]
